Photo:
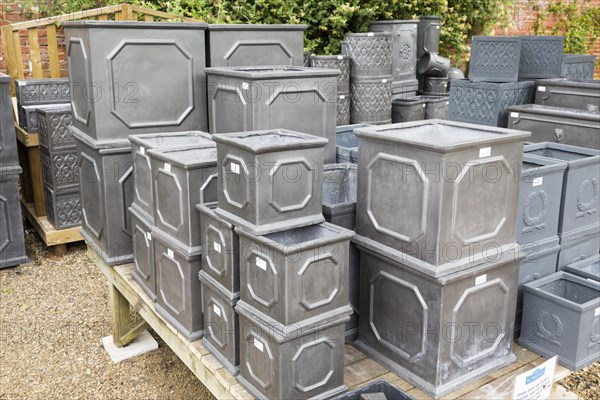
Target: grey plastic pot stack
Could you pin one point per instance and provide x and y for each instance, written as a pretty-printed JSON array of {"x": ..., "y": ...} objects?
[
  {"x": 561, "y": 317},
  {"x": 578, "y": 66},
  {"x": 487, "y": 103},
  {"x": 495, "y": 59},
  {"x": 36, "y": 92},
  {"x": 580, "y": 94},
  {"x": 556, "y": 124},
  {"x": 8, "y": 139},
  {"x": 541, "y": 57},
  {"x": 136, "y": 77},
  {"x": 588, "y": 268},
  {"x": 342, "y": 63},
  {"x": 12, "y": 252},
  {"x": 234, "y": 45},
  {"x": 274, "y": 97},
  {"x": 347, "y": 143}
]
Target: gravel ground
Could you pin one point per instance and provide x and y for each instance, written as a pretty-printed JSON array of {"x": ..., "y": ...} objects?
[{"x": 53, "y": 314}]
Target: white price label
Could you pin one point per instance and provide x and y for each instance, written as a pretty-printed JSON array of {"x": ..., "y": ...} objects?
[
  {"x": 217, "y": 310},
  {"x": 514, "y": 115},
  {"x": 262, "y": 264},
  {"x": 245, "y": 85},
  {"x": 541, "y": 88},
  {"x": 148, "y": 236},
  {"x": 258, "y": 344},
  {"x": 384, "y": 81},
  {"x": 340, "y": 57},
  {"x": 423, "y": 105},
  {"x": 217, "y": 247},
  {"x": 370, "y": 34},
  {"x": 597, "y": 312},
  {"x": 235, "y": 168},
  {"x": 538, "y": 181},
  {"x": 170, "y": 253},
  {"x": 437, "y": 27},
  {"x": 447, "y": 102},
  {"x": 481, "y": 279},
  {"x": 342, "y": 97},
  {"x": 485, "y": 152},
  {"x": 414, "y": 26},
  {"x": 142, "y": 150},
  {"x": 167, "y": 167}
]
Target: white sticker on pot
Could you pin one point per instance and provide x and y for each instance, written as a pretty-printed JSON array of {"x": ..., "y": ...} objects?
[
  {"x": 148, "y": 236},
  {"x": 142, "y": 151},
  {"x": 170, "y": 253},
  {"x": 384, "y": 81},
  {"x": 538, "y": 181},
  {"x": 437, "y": 27},
  {"x": 167, "y": 167},
  {"x": 370, "y": 34},
  {"x": 217, "y": 247},
  {"x": 245, "y": 85},
  {"x": 340, "y": 57},
  {"x": 235, "y": 168},
  {"x": 258, "y": 344},
  {"x": 485, "y": 152},
  {"x": 447, "y": 102},
  {"x": 342, "y": 97},
  {"x": 217, "y": 310},
  {"x": 514, "y": 115},
  {"x": 597, "y": 312},
  {"x": 481, "y": 279},
  {"x": 262, "y": 264},
  {"x": 541, "y": 88},
  {"x": 423, "y": 105}
]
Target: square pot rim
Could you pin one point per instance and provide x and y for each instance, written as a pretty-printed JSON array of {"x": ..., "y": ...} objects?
[
  {"x": 534, "y": 287},
  {"x": 57, "y": 108},
  {"x": 135, "y": 25},
  {"x": 235, "y": 139},
  {"x": 257, "y": 27},
  {"x": 266, "y": 72},
  {"x": 553, "y": 111},
  {"x": 145, "y": 140},
  {"x": 592, "y": 156},
  {"x": 168, "y": 155}
]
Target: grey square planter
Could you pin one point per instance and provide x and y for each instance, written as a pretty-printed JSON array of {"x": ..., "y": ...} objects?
[
  {"x": 495, "y": 59},
  {"x": 53, "y": 127},
  {"x": 59, "y": 169},
  {"x": 540, "y": 196},
  {"x": 144, "y": 272},
  {"x": 221, "y": 249},
  {"x": 123, "y": 76},
  {"x": 8, "y": 140},
  {"x": 234, "y": 45},
  {"x": 406, "y": 110},
  {"x": 371, "y": 54},
  {"x": 555, "y": 124},
  {"x": 578, "y": 245},
  {"x": 347, "y": 143},
  {"x": 183, "y": 177},
  {"x": 580, "y": 205},
  {"x": 426, "y": 188},
  {"x": 335, "y": 62},
  {"x": 487, "y": 103},
  {"x": 63, "y": 207},
  {"x": 436, "y": 107},
  {"x": 560, "y": 317},
  {"x": 578, "y": 66},
  {"x": 371, "y": 100},
  {"x": 343, "y": 109},
  {"x": 541, "y": 57},
  {"x": 295, "y": 98},
  {"x": 428, "y": 35},
  {"x": 28, "y": 118},
  {"x": 569, "y": 93},
  {"x": 300, "y": 361},
  {"x": 140, "y": 144},
  {"x": 404, "y": 47},
  {"x": 588, "y": 268},
  {"x": 269, "y": 181},
  {"x": 415, "y": 340},
  {"x": 178, "y": 290},
  {"x": 106, "y": 187},
  {"x": 42, "y": 91},
  {"x": 221, "y": 323},
  {"x": 295, "y": 274},
  {"x": 377, "y": 388},
  {"x": 434, "y": 86},
  {"x": 12, "y": 252}
]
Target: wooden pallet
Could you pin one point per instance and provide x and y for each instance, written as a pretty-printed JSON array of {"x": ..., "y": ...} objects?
[
  {"x": 126, "y": 294},
  {"x": 32, "y": 184}
]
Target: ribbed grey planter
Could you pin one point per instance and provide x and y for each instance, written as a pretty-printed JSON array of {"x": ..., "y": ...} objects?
[
  {"x": 434, "y": 86},
  {"x": 347, "y": 143},
  {"x": 426, "y": 188},
  {"x": 42, "y": 91},
  {"x": 299, "y": 361},
  {"x": 63, "y": 207},
  {"x": 428, "y": 37},
  {"x": 28, "y": 118},
  {"x": 375, "y": 389},
  {"x": 144, "y": 272},
  {"x": 560, "y": 318},
  {"x": 371, "y": 100},
  {"x": 268, "y": 180},
  {"x": 578, "y": 245},
  {"x": 412, "y": 109},
  {"x": 53, "y": 127},
  {"x": 432, "y": 64},
  {"x": 8, "y": 140},
  {"x": 123, "y": 76},
  {"x": 541, "y": 57},
  {"x": 588, "y": 268},
  {"x": 335, "y": 62},
  {"x": 487, "y": 103},
  {"x": 295, "y": 98},
  {"x": 344, "y": 103},
  {"x": 234, "y": 45},
  {"x": 495, "y": 59},
  {"x": 12, "y": 252},
  {"x": 556, "y": 124},
  {"x": 436, "y": 107},
  {"x": 578, "y": 66},
  {"x": 404, "y": 47},
  {"x": 569, "y": 93},
  {"x": 59, "y": 169},
  {"x": 371, "y": 54},
  {"x": 540, "y": 197},
  {"x": 425, "y": 341}
]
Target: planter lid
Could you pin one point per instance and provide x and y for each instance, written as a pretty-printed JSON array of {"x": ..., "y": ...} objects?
[
  {"x": 565, "y": 82},
  {"x": 394, "y": 22},
  {"x": 189, "y": 157},
  {"x": 574, "y": 156},
  {"x": 441, "y": 135},
  {"x": 257, "y": 27},
  {"x": 271, "y": 72},
  {"x": 115, "y": 145},
  {"x": 135, "y": 25},
  {"x": 534, "y": 166},
  {"x": 171, "y": 139},
  {"x": 551, "y": 111},
  {"x": 268, "y": 141},
  {"x": 53, "y": 108}
]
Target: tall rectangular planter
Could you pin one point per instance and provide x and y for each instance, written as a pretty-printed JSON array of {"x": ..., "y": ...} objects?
[
  {"x": 578, "y": 66},
  {"x": 404, "y": 48},
  {"x": 578, "y": 245},
  {"x": 12, "y": 252},
  {"x": 424, "y": 188},
  {"x": 53, "y": 127},
  {"x": 588, "y": 268},
  {"x": 560, "y": 317},
  {"x": 123, "y": 76},
  {"x": 144, "y": 271},
  {"x": 234, "y": 45},
  {"x": 569, "y": 93},
  {"x": 42, "y": 91},
  {"x": 8, "y": 140},
  {"x": 556, "y": 124},
  {"x": 63, "y": 207},
  {"x": 495, "y": 59},
  {"x": 541, "y": 57}
]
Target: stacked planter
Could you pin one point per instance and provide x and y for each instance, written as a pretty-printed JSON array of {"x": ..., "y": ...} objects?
[
  {"x": 32, "y": 93},
  {"x": 343, "y": 83},
  {"x": 12, "y": 251},
  {"x": 578, "y": 66},
  {"x": 293, "y": 267},
  {"x": 435, "y": 235},
  {"x": 370, "y": 77}
]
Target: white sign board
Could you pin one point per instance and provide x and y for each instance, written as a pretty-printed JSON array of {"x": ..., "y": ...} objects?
[{"x": 536, "y": 384}]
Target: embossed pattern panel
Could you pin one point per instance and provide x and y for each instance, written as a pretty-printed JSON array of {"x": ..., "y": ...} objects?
[
  {"x": 371, "y": 101},
  {"x": 63, "y": 208},
  {"x": 541, "y": 57},
  {"x": 371, "y": 54},
  {"x": 495, "y": 59},
  {"x": 42, "y": 91}
]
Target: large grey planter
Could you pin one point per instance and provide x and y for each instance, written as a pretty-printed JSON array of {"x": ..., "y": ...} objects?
[
  {"x": 578, "y": 66},
  {"x": 299, "y": 361},
  {"x": 487, "y": 103},
  {"x": 578, "y": 245},
  {"x": 42, "y": 91},
  {"x": 335, "y": 62},
  {"x": 371, "y": 100},
  {"x": 580, "y": 204},
  {"x": 344, "y": 102},
  {"x": 63, "y": 207},
  {"x": 140, "y": 144},
  {"x": 347, "y": 143},
  {"x": 541, "y": 57},
  {"x": 8, "y": 140},
  {"x": 426, "y": 188},
  {"x": 220, "y": 248},
  {"x": 428, "y": 37},
  {"x": 12, "y": 251},
  {"x": 269, "y": 180},
  {"x": 425, "y": 340},
  {"x": 221, "y": 323},
  {"x": 555, "y": 124},
  {"x": 183, "y": 177},
  {"x": 59, "y": 169},
  {"x": 588, "y": 268},
  {"x": 123, "y": 76},
  {"x": 28, "y": 118},
  {"x": 569, "y": 93},
  {"x": 434, "y": 86},
  {"x": 436, "y": 107},
  {"x": 371, "y": 54},
  {"x": 234, "y": 45},
  {"x": 144, "y": 272},
  {"x": 434, "y": 65},
  {"x": 178, "y": 290},
  {"x": 404, "y": 48},
  {"x": 106, "y": 187},
  {"x": 540, "y": 196},
  {"x": 295, "y": 274},
  {"x": 295, "y": 98},
  {"x": 560, "y": 317},
  {"x": 406, "y": 110},
  {"x": 495, "y": 59}
]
